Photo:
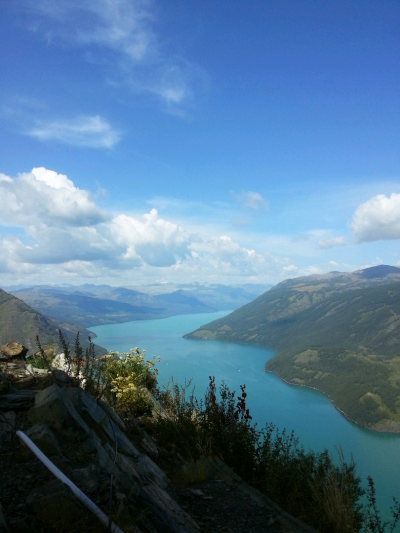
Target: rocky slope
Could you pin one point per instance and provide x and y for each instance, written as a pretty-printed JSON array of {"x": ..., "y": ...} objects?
[{"x": 150, "y": 490}]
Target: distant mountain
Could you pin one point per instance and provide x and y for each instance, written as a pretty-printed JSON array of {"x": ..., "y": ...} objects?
[
  {"x": 339, "y": 333},
  {"x": 21, "y": 323},
  {"x": 91, "y": 305},
  {"x": 79, "y": 308}
]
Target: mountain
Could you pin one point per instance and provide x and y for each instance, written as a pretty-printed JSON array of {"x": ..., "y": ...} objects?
[
  {"x": 90, "y": 305},
  {"x": 82, "y": 309},
  {"x": 338, "y": 333},
  {"x": 21, "y": 323}
]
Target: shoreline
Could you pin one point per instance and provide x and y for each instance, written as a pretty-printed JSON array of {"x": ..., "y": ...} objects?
[
  {"x": 333, "y": 403},
  {"x": 375, "y": 430}
]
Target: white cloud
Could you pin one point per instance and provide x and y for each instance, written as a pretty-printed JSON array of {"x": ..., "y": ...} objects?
[
  {"x": 119, "y": 36},
  {"x": 85, "y": 131},
  {"x": 62, "y": 234},
  {"x": 377, "y": 219},
  {"x": 329, "y": 242},
  {"x": 154, "y": 241},
  {"x": 289, "y": 269},
  {"x": 251, "y": 200},
  {"x": 120, "y": 25},
  {"x": 42, "y": 198}
]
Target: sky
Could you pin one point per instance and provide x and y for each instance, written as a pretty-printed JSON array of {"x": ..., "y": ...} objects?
[{"x": 219, "y": 142}]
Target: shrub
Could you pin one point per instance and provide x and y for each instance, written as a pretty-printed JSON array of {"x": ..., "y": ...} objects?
[{"x": 308, "y": 485}]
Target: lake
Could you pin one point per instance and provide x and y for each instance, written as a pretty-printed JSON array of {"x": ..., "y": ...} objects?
[{"x": 314, "y": 419}]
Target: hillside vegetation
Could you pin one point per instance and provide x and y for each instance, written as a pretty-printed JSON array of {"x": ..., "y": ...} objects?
[{"x": 338, "y": 333}]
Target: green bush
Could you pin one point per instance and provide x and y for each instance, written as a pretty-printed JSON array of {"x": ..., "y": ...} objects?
[{"x": 308, "y": 485}]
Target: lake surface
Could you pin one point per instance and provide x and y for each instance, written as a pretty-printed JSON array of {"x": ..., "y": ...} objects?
[{"x": 314, "y": 419}]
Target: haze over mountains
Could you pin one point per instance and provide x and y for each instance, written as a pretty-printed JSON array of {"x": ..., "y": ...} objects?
[
  {"x": 20, "y": 323},
  {"x": 338, "y": 332},
  {"x": 43, "y": 310},
  {"x": 92, "y": 305}
]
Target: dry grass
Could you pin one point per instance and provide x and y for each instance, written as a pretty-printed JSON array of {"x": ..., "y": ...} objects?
[
  {"x": 334, "y": 501},
  {"x": 195, "y": 472}
]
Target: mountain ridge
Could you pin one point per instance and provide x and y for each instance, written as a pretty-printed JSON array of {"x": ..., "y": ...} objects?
[
  {"x": 19, "y": 322},
  {"x": 339, "y": 333}
]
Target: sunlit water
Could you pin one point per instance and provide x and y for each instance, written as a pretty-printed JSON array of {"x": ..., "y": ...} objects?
[{"x": 315, "y": 421}]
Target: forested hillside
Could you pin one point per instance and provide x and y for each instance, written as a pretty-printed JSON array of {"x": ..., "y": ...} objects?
[{"x": 332, "y": 335}]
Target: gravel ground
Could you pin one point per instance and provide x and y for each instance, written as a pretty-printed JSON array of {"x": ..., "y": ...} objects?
[{"x": 218, "y": 507}]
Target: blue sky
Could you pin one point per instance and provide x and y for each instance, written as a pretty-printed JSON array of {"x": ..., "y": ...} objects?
[{"x": 197, "y": 141}]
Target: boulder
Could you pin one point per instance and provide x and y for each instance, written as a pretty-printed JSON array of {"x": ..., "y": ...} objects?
[
  {"x": 12, "y": 349},
  {"x": 44, "y": 439},
  {"x": 95, "y": 416},
  {"x": 62, "y": 378},
  {"x": 54, "y": 408},
  {"x": 87, "y": 479},
  {"x": 93, "y": 446},
  {"x": 17, "y": 401}
]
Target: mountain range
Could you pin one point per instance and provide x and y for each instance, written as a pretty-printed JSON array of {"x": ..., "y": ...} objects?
[
  {"x": 20, "y": 323},
  {"x": 92, "y": 305}
]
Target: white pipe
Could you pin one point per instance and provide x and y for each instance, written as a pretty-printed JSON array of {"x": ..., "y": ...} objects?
[{"x": 78, "y": 493}]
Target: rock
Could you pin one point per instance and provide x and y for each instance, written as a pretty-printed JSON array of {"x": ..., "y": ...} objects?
[
  {"x": 5, "y": 384},
  {"x": 62, "y": 377},
  {"x": 54, "y": 503},
  {"x": 53, "y": 407},
  {"x": 113, "y": 414},
  {"x": 95, "y": 417},
  {"x": 44, "y": 439},
  {"x": 87, "y": 479},
  {"x": 149, "y": 446},
  {"x": 59, "y": 362},
  {"x": 93, "y": 445},
  {"x": 17, "y": 401},
  {"x": 11, "y": 350},
  {"x": 157, "y": 409},
  {"x": 150, "y": 471}
]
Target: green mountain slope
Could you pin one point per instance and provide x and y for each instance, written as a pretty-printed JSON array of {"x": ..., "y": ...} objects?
[
  {"x": 21, "y": 323},
  {"x": 330, "y": 336}
]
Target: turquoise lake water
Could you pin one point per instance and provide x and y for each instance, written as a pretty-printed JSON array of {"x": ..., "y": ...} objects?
[{"x": 315, "y": 421}]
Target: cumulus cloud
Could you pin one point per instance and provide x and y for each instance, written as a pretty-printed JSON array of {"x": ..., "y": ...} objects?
[
  {"x": 251, "y": 200},
  {"x": 50, "y": 229},
  {"x": 329, "y": 242},
  {"x": 84, "y": 131},
  {"x": 152, "y": 240},
  {"x": 43, "y": 198},
  {"x": 63, "y": 224},
  {"x": 377, "y": 219}
]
